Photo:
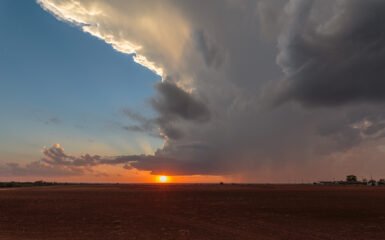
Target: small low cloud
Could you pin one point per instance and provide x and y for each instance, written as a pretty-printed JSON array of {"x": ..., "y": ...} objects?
[
  {"x": 142, "y": 124},
  {"x": 55, "y": 162},
  {"x": 53, "y": 120}
]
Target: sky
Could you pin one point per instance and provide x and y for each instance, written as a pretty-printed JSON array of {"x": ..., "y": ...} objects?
[{"x": 202, "y": 91}]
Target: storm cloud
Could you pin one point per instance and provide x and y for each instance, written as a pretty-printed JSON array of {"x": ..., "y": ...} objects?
[
  {"x": 336, "y": 59},
  {"x": 262, "y": 89}
]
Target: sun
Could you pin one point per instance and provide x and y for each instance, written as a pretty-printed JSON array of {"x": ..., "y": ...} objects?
[{"x": 163, "y": 179}]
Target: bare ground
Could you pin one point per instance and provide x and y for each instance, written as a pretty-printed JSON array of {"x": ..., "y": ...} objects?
[{"x": 193, "y": 212}]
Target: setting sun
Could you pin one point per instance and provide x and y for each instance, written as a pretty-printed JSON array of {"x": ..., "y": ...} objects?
[{"x": 163, "y": 179}]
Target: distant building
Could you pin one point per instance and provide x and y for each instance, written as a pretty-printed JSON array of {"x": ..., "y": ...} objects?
[{"x": 352, "y": 180}]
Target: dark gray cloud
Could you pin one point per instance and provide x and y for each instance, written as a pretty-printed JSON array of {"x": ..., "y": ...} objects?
[
  {"x": 173, "y": 102},
  {"x": 211, "y": 53},
  {"x": 172, "y": 105},
  {"x": 338, "y": 60}
]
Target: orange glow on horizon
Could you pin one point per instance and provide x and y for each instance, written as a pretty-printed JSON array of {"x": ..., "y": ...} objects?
[{"x": 117, "y": 174}]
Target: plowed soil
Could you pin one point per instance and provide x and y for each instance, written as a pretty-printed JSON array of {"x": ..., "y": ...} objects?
[{"x": 163, "y": 211}]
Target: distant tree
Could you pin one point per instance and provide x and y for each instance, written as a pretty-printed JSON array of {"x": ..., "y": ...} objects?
[
  {"x": 39, "y": 183},
  {"x": 372, "y": 182},
  {"x": 381, "y": 181},
  {"x": 351, "y": 179}
]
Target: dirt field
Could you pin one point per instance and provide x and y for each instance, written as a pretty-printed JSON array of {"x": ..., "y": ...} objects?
[{"x": 193, "y": 212}]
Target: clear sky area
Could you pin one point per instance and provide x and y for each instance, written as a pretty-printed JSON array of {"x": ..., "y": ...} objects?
[{"x": 60, "y": 85}]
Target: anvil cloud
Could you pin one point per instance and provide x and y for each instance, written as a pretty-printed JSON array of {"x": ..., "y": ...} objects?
[{"x": 251, "y": 87}]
